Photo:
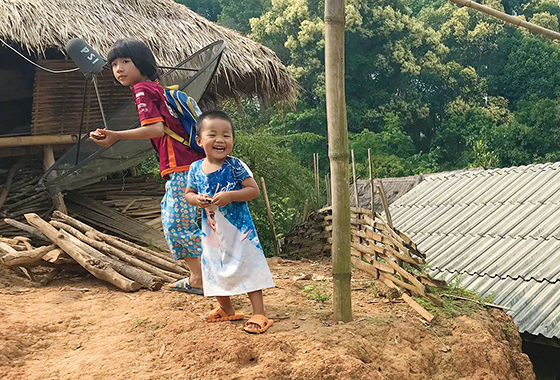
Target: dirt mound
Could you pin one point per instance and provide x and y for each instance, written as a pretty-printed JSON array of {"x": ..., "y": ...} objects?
[{"x": 78, "y": 328}]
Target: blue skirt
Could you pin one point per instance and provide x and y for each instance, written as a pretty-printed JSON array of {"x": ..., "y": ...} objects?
[{"x": 179, "y": 219}]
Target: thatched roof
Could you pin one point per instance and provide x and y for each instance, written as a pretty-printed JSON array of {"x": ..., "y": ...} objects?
[{"x": 172, "y": 31}]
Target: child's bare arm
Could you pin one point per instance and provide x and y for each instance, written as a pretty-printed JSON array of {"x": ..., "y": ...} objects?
[
  {"x": 197, "y": 200},
  {"x": 107, "y": 137},
  {"x": 249, "y": 191}
]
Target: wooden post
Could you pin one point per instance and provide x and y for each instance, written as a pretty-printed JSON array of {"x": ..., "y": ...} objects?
[
  {"x": 48, "y": 161},
  {"x": 338, "y": 157},
  {"x": 270, "y": 219},
  {"x": 356, "y": 195},
  {"x": 305, "y": 210}
]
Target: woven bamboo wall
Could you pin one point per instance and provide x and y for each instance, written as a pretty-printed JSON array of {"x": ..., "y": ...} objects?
[{"x": 58, "y": 99}]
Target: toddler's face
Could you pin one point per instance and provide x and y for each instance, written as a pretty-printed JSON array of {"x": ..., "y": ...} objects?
[{"x": 216, "y": 138}]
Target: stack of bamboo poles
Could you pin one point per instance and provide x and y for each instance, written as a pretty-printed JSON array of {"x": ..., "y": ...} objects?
[{"x": 124, "y": 264}]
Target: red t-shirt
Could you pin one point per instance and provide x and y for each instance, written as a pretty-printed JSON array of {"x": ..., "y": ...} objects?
[{"x": 152, "y": 107}]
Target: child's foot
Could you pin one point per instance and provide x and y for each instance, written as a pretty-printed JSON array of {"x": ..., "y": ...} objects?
[
  {"x": 258, "y": 324},
  {"x": 219, "y": 314}
]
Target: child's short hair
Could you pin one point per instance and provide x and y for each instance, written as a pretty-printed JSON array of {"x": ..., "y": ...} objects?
[
  {"x": 138, "y": 52},
  {"x": 213, "y": 114}
]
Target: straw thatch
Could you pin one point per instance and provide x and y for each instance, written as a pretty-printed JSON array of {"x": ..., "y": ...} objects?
[{"x": 171, "y": 30}]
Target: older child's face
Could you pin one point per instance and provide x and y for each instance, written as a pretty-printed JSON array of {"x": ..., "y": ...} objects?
[
  {"x": 216, "y": 138},
  {"x": 126, "y": 72}
]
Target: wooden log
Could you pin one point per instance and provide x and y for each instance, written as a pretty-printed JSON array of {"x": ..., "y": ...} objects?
[
  {"x": 164, "y": 264},
  {"x": 372, "y": 249},
  {"x": 109, "y": 250},
  {"x": 82, "y": 227},
  {"x": 25, "y": 257},
  {"x": 58, "y": 256},
  {"x": 98, "y": 268},
  {"x": 27, "y": 228},
  {"x": 6, "y": 249},
  {"x": 147, "y": 280},
  {"x": 161, "y": 255}
]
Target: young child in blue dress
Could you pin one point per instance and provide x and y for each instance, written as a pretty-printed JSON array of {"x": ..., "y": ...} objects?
[{"x": 233, "y": 261}]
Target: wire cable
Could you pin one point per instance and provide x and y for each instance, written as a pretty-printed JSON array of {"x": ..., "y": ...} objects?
[{"x": 39, "y": 66}]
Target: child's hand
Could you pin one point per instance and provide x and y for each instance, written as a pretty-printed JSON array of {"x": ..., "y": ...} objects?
[
  {"x": 203, "y": 200},
  {"x": 222, "y": 198},
  {"x": 103, "y": 137}
]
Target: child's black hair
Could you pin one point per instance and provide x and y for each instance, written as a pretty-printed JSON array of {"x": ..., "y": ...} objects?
[
  {"x": 213, "y": 114},
  {"x": 138, "y": 52}
]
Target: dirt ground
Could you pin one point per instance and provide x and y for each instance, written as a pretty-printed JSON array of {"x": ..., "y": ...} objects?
[{"x": 80, "y": 328}]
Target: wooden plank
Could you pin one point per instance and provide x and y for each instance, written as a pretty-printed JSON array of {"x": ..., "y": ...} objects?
[
  {"x": 415, "y": 305},
  {"x": 368, "y": 268},
  {"x": 377, "y": 264}
]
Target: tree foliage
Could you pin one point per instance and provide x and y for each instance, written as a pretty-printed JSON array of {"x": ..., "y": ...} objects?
[{"x": 430, "y": 86}]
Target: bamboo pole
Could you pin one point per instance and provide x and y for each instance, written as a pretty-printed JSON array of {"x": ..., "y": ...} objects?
[
  {"x": 338, "y": 156},
  {"x": 356, "y": 196},
  {"x": 270, "y": 219},
  {"x": 372, "y": 187},
  {"x": 18, "y": 141},
  {"x": 508, "y": 18}
]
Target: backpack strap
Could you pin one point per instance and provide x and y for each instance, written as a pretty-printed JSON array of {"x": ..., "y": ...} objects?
[{"x": 175, "y": 136}]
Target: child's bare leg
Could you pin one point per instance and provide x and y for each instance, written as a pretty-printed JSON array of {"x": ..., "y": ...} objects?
[
  {"x": 196, "y": 272},
  {"x": 258, "y": 309},
  {"x": 225, "y": 304}
]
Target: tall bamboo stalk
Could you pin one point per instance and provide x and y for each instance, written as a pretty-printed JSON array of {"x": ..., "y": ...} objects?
[{"x": 338, "y": 157}]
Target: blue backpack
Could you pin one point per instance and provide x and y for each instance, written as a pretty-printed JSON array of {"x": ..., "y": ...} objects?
[{"x": 188, "y": 112}]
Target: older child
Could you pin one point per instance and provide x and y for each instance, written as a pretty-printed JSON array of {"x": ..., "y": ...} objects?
[
  {"x": 134, "y": 65},
  {"x": 233, "y": 261}
]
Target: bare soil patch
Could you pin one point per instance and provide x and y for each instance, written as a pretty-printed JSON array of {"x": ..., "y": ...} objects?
[{"x": 80, "y": 328}]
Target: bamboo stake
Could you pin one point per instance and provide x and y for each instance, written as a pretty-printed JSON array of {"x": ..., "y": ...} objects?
[
  {"x": 270, "y": 219},
  {"x": 372, "y": 187},
  {"x": 48, "y": 161},
  {"x": 328, "y": 187},
  {"x": 338, "y": 156},
  {"x": 356, "y": 195},
  {"x": 385, "y": 204}
]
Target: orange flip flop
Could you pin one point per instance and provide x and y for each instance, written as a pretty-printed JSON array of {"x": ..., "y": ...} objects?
[
  {"x": 260, "y": 320},
  {"x": 218, "y": 315}
]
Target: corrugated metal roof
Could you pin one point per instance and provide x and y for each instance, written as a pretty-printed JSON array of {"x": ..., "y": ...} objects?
[{"x": 499, "y": 230}]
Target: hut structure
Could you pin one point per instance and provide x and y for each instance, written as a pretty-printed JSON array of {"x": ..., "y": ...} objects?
[
  {"x": 39, "y": 108},
  {"x": 41, "y": 111}
]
